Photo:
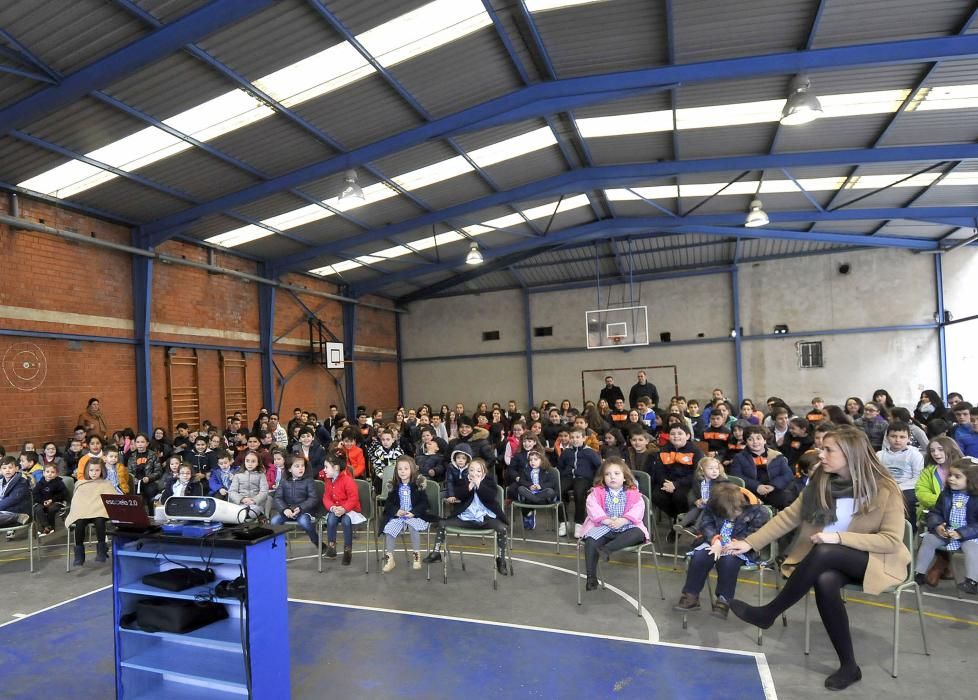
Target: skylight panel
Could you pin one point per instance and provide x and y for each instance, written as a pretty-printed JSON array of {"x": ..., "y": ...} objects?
[
  {"x": 419, "y": 31},
  {"x": 625, "y": 124},
  {"x": 513, "y": 147},
  {"x": 547, "y": 5},
  {"x": 316, "y": 75},
  {"x": 228, "y": 112},
  {"x": 638, "y": 193},
  {"x": 239, "y": 236},
  {"x": 57, "y": 181},
  {"x": 430, "y": 174},
  {"x": 547, "y": 210},
  {"x": 949, "y": 97}
]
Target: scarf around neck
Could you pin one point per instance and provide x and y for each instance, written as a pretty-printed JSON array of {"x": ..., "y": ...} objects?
[{"x": 811, "y": 511}]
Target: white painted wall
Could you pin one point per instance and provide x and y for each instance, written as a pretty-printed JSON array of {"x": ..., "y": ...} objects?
[{"x": 883, "y": 288}]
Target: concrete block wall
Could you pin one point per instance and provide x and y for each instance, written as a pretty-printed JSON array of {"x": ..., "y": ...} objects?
[
  {"x": 51, "y": 285},
  {"x": 883, "y": 288}
]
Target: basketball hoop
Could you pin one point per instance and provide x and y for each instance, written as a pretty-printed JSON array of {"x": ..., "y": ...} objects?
[{"x": 616, "y": 339}]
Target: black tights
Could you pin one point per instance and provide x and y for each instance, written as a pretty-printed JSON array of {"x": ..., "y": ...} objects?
[{"x": 827, "y": 568}]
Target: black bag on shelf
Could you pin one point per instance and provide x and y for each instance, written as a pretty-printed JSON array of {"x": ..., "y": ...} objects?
[
  {"x": 179, "y": 579},
  {"x": 176, "y": 615}
]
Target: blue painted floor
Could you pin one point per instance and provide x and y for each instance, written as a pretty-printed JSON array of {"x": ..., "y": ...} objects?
[{"x": 344, "y": 652}]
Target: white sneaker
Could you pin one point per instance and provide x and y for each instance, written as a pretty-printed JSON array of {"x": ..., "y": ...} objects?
[
  {"x": 562, "y": 530},
  {"x": 577, "y": 531},
  {"x": 389, "y": 562},
  {"x": 415, "y": 561}
]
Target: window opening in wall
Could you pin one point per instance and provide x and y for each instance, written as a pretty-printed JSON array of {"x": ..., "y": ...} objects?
[
  {"x": 490, "y": 335},
  {"x": 543, "y": 331},
  {"x": 810, "y": 354}
]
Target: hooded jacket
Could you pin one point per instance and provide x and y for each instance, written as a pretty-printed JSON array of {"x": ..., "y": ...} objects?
[
  {"x": 478, "y": 441},
  {"x": 457, "y": 480}
]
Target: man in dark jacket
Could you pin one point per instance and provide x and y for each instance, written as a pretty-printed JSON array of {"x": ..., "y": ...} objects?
[
  {"x": 610, "y": 391},
  {"x": 642, "y": 388}
]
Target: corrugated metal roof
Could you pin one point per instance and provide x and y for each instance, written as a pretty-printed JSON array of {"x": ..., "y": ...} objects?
[
  {"x": 842, "y": 132},
  {"x": 68, "y": 36},
  {"x": 130, "y": 200},
  {"x": 620, "y": 35},
  {"x": 334, "y": 228},
  {"x": 538, "y": 165},
  {"x": 198, "y": 173},
  {"x": 22, "y": 160},
  {"x": 865, "y": 21},
  {"x": 453, "y": 191},
  {"x": 84, "y": 126},
  {"x": 732, "y": 141},
  {"x": 280, "y": 35},
  {"x": 360, "y": 15},
  {"x": 459, "y": 74},
  {"x": 950, "y": 126},
  {"x": 170, "y": 10},
  {"x": 710, "y": 29},
  {"x": 637, "y": 148},
  {"x": 271, "y": 247},
  {"x": 274, "y": 145}
]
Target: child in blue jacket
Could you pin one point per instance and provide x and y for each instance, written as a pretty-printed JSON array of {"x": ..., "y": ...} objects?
[{"x": 952, "y": 524}]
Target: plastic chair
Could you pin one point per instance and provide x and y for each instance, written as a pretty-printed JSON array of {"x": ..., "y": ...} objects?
[
  {"x": 28, "y": 527},
  {"x": 293, "y": 526},
  {"x": 555, "y": 507},
  {"x": 638, "y": 550},
  {"x": 737, "y": 480},
  {"x": 644, "y": 481},
  {"x": 896, "y": 591},
  {"x": 484, "y": 532},
  {"x": 368, "y": 508}
]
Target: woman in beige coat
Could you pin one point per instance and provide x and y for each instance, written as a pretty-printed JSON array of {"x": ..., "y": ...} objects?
[{"x": 850, "y": 519}]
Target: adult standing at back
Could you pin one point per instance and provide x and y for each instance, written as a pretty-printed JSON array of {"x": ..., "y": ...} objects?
[
  {"x": 850, "y": 519},
  {"x": 610, "y": 392},
  {"x": 643, "y": 388},
  {"x": 92, "y": 420}
]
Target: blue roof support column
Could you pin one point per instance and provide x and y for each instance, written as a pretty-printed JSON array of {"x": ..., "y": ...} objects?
[
  {"x": 528, "y": 329},
  {"x": 129, "y": 59},
  {"x": 941, "y": 321},
  {"x": 142, "y": 312},
  {"x": 266, "y": 325},
  {"x": 738, "y": 356},
  {"x": 349, "y": 344}
]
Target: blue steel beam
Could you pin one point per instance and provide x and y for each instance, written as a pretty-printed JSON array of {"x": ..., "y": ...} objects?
[
  {"x": 625, "y": 175},
  {"x": 266, "y": 334},
  {"x": 405, "y": 95},
  {"x": 142, "y": 303},
  {"x": 349, "y": 347},
  {"x": 538, "y": 100},
  {"x": 129, "y": 59},
  {"x": 625, "y": 225}
]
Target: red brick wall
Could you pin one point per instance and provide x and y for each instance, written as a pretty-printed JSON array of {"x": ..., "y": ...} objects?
[{"x": 207, "y": 309}]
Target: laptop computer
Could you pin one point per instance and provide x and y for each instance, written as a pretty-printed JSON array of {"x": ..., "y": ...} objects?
[{"x": 128, "y": 513}]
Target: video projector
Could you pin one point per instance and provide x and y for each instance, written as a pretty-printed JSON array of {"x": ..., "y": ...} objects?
[{"x": 204, "y": 508}]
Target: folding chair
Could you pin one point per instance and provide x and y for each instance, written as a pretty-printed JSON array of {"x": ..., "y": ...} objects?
[
  {"x": 293, "y": 526},
  {"x": 638, "y": 550},
  {"x": 368, "y": 508},
  {"x": 28, "y": 527},
  {"x": 896, "y": 591},
  {"x": 484, "y": 532},
  {"x": 555, "y": 507}
]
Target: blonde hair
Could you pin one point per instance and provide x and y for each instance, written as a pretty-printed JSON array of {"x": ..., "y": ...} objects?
[
  {"x": 481, "y": 463},
  {"x": 701, "y": 466},
  {"x": 867, "y": 472}
]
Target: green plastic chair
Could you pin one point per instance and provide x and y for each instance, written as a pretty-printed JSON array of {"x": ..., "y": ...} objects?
[
  {"x": 555, "y": 507},
  {"x": 638, "y": 550},
  {"x": 485, "y": 532},
  {"x": 895, "y": 591}
]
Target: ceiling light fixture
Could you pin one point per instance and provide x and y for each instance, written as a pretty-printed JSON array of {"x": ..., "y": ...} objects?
[
  {"x": 756, "y": 216},
  {"x": 475, "y": 255},
  {"x": 801, "y": 106},
  {"x": 351, "y": 188}
]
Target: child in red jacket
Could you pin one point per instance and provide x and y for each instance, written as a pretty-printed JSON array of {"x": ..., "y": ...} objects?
[{"x": 342, "y": 503}]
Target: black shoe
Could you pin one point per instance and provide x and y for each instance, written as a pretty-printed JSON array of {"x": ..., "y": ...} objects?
[
  {"x": 501, "y": 566},
  {"x": 843, "y": 678},
  {"x": 347, "y": 556},
  {"x": 79, "y": 555},
  {"x": 592, "y": 584},
  {"x": 330, "y": 552},
  {"x": 969, "y": 586},
  {"x": 750, "y": 614},
  {"x": 920, "y": 579},
  {"x": 101, "y": 553},
  {"x": 433, "y": 556}
]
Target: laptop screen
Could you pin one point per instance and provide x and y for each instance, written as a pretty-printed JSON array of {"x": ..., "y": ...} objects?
[{"x": 126, "y": 510}]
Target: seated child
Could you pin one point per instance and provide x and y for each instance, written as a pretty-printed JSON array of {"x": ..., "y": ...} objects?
[
  {"x": 615, "y": 516},
  {"x": 952, "y": 524},
  {"x": 803, "y": 473},
  {"x": 708, "y": 472},
  {"x": 431, "y": 463},
  {"x": 87, "y": 509},
  {"x": 341, "y": 499},
  {"x": 219, "y": 482},
  {"x": 249, "y": 486},
  {"x": 15, "y": 495},
  {"x": 145, "y": 468},
  {"x": 456, "y": 485},
  {"x": 184, "y": 484},
  {"x": 30, "y": 468},
  {"x": 727, "y": 516},
  {"x": 735, "y": 444},
  {"x": 537, "y": 485},
  {"x": 905, "y": 464},
  {"x": 115, "y": 470},
  {"x": 50, "y": 495},
  {"x": 479, "y": 509},
  {"x": 638, "y": 456},
  {"x": 406, "y": 508},
  {"x": 297, "y": 500},
  {"x": 276, "y": 471}
]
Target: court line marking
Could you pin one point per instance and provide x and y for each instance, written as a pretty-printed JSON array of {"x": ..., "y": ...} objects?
[{"x": 23, "y": 616}]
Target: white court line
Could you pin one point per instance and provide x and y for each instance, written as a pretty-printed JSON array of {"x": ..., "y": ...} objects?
[{"x": 19, "y": 616}]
